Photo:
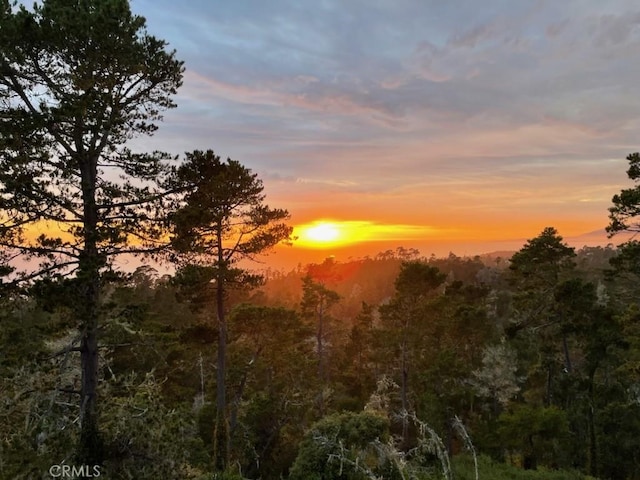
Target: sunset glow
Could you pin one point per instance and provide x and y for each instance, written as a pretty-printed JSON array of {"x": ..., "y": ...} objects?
[{"x": 329, "y": 233}]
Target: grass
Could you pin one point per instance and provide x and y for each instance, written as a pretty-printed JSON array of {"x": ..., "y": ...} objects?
[{"x": 463, "y": 469}]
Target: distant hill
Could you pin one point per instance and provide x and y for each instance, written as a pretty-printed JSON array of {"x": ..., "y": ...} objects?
[{"x": 598, "y": 238}]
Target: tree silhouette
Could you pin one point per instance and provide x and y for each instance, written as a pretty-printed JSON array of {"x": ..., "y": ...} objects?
[
  {"x": 78, "y": 79},
  {"x": 222, "y": 220}
]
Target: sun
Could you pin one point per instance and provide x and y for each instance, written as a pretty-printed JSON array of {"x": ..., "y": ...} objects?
[
  {"x": 329, "y": 234},
  {"x": 320, "y": 234},
  {"x": 323, "y": 232}
]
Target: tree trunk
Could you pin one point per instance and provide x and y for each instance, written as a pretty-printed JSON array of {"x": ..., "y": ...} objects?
[
  {"x": 404, "y": 386},
  {"x": 530, "y": 460},
  {"x": 548, "y": 396},
  {"x": 221, "y": 429},
  {"x": 592, "y": 463},
  {"x": 90, "y": 448},
  {"x": 319, "y": 341},
  {"x": 567, "y": 356}
]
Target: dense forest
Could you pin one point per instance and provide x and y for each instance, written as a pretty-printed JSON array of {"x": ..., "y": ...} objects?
[
  {"x": 525, "y": 366},
  {"x": 381, "y": 367}
]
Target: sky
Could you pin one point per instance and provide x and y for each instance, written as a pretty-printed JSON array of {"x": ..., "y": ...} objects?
[{"x": 444, "y": 125}]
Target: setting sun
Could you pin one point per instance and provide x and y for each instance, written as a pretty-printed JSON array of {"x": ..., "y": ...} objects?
[
  {"x": 333, "y": 233},
  {"x": 321, "y": 234}
]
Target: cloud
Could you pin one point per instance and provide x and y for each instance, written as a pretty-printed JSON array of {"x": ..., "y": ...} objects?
[{"x": 342, "y": 103}]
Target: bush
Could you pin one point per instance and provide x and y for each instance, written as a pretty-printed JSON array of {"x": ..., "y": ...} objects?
[{"x": 346, "y": 446}]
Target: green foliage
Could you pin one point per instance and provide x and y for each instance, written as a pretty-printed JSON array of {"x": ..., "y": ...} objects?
[
  {"x": 463, "y": 468},
  {"x": 38, "y": 424},
  {"x": 623, "y": 217},
  {"x": 80, "y": 78},
  {"x": 316, "y": 297},
  {"x": 145, "y": 439},
  {"x": 535, "y": 432},
  {"x": 316, "y": 302},
  {"x": 416, "y": 279},
  {"x": 341, "y": 446},
  {"x": 497, "y": 379},
  {"x": 626, "y": 204},
  {"x": 357, "y": 373},
  {"x": 24, "y": 329},
  {"x": 543, "y": 259},
  {"x": 271, "y": 381},
  {"x": 195, "y": 285},
  {"x": 459, "y": 363},
  {"x": 224, "y": 203},
  {"x": 627, "y": 259},
  {"x": 434, "y": 331},
  {"x": 618, "y": 425}
]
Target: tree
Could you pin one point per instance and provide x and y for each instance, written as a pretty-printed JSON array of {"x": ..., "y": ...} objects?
[
  {"x": 623, "y": 216},
  {"x": 316, "y": 301},
  {"x": 259, "y": 332},
  {"x": 542, "y": 260},
  {"x": 271, "y": 373},
  {"x": 537, "y": 271},
  {"x": 534, "y": 431},
  {"x": 359, "y": 371},
  {"x": 416, "y": 283},
  {"x": 78, "y": 79},
  {"x": 221, "y": 220},
  {"x": 497, "y": 378}
]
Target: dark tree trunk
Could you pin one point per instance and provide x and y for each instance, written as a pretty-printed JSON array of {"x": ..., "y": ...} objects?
[
  {"x": 90, "y": 449},
  {"x": 592, "y": 466},
  {"x": 404, "y": 387},
  {"x": 530, "y": 461},
  {"x": 221, "y": 429},
  {"x": 320, "y": 345},
  {"x": 548, "y": 395},
  {"x": 567, "y": 356}
]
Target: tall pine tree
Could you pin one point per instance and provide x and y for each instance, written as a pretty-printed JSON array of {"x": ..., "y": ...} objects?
[{"x": 78, "y": 79}]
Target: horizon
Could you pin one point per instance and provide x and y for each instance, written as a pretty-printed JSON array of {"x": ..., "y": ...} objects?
[{"x": 286, "y": 258}]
